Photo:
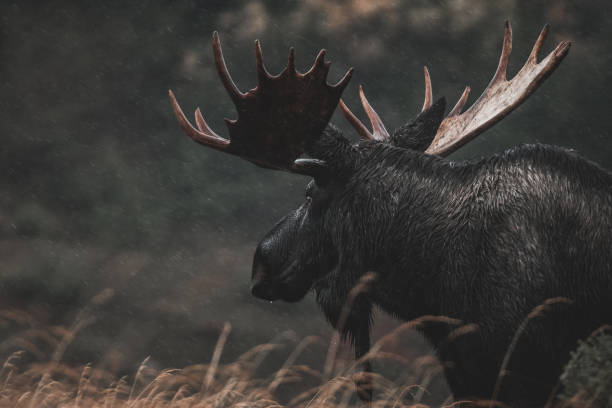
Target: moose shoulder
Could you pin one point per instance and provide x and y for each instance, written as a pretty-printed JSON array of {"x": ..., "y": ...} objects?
[{"x": 483, "y": 242}]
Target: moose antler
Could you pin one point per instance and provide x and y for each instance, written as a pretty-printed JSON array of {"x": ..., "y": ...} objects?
[
  {"x": 278, "y": 119},
  {"x": 499, "y": 98},
  {"x": 379, "y": 132}
]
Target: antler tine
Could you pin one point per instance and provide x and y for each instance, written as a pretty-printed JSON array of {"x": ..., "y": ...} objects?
[
  {"x": 202, "y": 125},
  {"x": 319, "y": 59},
  {"x": 205, "y": 135},
  {"x": 533, "y": 57},
  {"x": 428, "y": 92},
  {"x": 291, "y": 61},
  {"x": 499, "y": 98},
  {"x": 379, "y": 132},
  {"x": 224, "y": 74},
  {"x": 262, "y": 73},
  {"x": 429, "y": 96},
  {"x": 461, "y": 102},
  {"x": 502, "y": 66},
  {"x": 343, "y": 82},
  {"x": 361, "y": 129}
]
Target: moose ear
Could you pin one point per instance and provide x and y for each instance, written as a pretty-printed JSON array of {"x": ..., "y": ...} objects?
[
  {"x": 332, "y": 155},
  {"x": 418, "y": 134}
]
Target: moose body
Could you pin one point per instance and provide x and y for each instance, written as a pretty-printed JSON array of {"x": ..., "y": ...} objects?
[
  {"x": 515, "y": 247},
  {"x": 484, "y": 242}
]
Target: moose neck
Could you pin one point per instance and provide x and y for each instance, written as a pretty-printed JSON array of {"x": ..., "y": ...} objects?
[{"x": 424, "y": 208}]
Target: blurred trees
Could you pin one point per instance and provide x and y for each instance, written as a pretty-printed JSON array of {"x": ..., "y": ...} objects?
[{"x": 91, "y": 152}]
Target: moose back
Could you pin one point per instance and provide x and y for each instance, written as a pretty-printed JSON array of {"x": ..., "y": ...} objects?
[{"x": 484, "y": 242}]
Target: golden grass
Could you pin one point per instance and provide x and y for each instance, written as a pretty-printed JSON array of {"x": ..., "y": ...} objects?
[
  {"x": 236, "y": 384},
  {"x": 55, "y": 384}
]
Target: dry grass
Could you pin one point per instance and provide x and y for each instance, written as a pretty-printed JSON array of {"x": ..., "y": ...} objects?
[
  {"x": 55, "y": 384},
  {"x": 203, "y": 385},
  {"x": 27, "y": 382},
  {"x": 36, "y": 376}
]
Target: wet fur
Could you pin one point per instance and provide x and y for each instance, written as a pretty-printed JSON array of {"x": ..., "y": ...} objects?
[{"x": 482, "y": 241}]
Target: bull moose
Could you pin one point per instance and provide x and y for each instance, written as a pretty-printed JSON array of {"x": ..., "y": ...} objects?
[{"x": 481, "y": 241}]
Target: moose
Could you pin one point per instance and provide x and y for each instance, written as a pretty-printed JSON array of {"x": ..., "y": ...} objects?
[{"x": 523, "y": 234}]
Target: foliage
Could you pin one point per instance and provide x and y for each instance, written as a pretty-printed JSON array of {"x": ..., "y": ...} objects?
[{"x": 588, "y": 374}]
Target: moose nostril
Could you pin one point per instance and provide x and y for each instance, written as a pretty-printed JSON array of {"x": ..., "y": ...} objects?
[
  {"x": 258, "y": 276},
  {"x": 258, "y": 288}
]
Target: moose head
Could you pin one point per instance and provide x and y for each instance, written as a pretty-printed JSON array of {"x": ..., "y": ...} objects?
[
  {"x": 286, "y": 116},
  {"x": 354, "y": 204}
]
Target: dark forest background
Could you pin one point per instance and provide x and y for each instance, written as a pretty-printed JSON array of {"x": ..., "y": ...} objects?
[{"x": 100, "y": 191}]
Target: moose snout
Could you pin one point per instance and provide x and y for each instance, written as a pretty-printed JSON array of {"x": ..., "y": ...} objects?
[
  {"x": 261, "y": 288},
  {"x": 257, "y": 283}
]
